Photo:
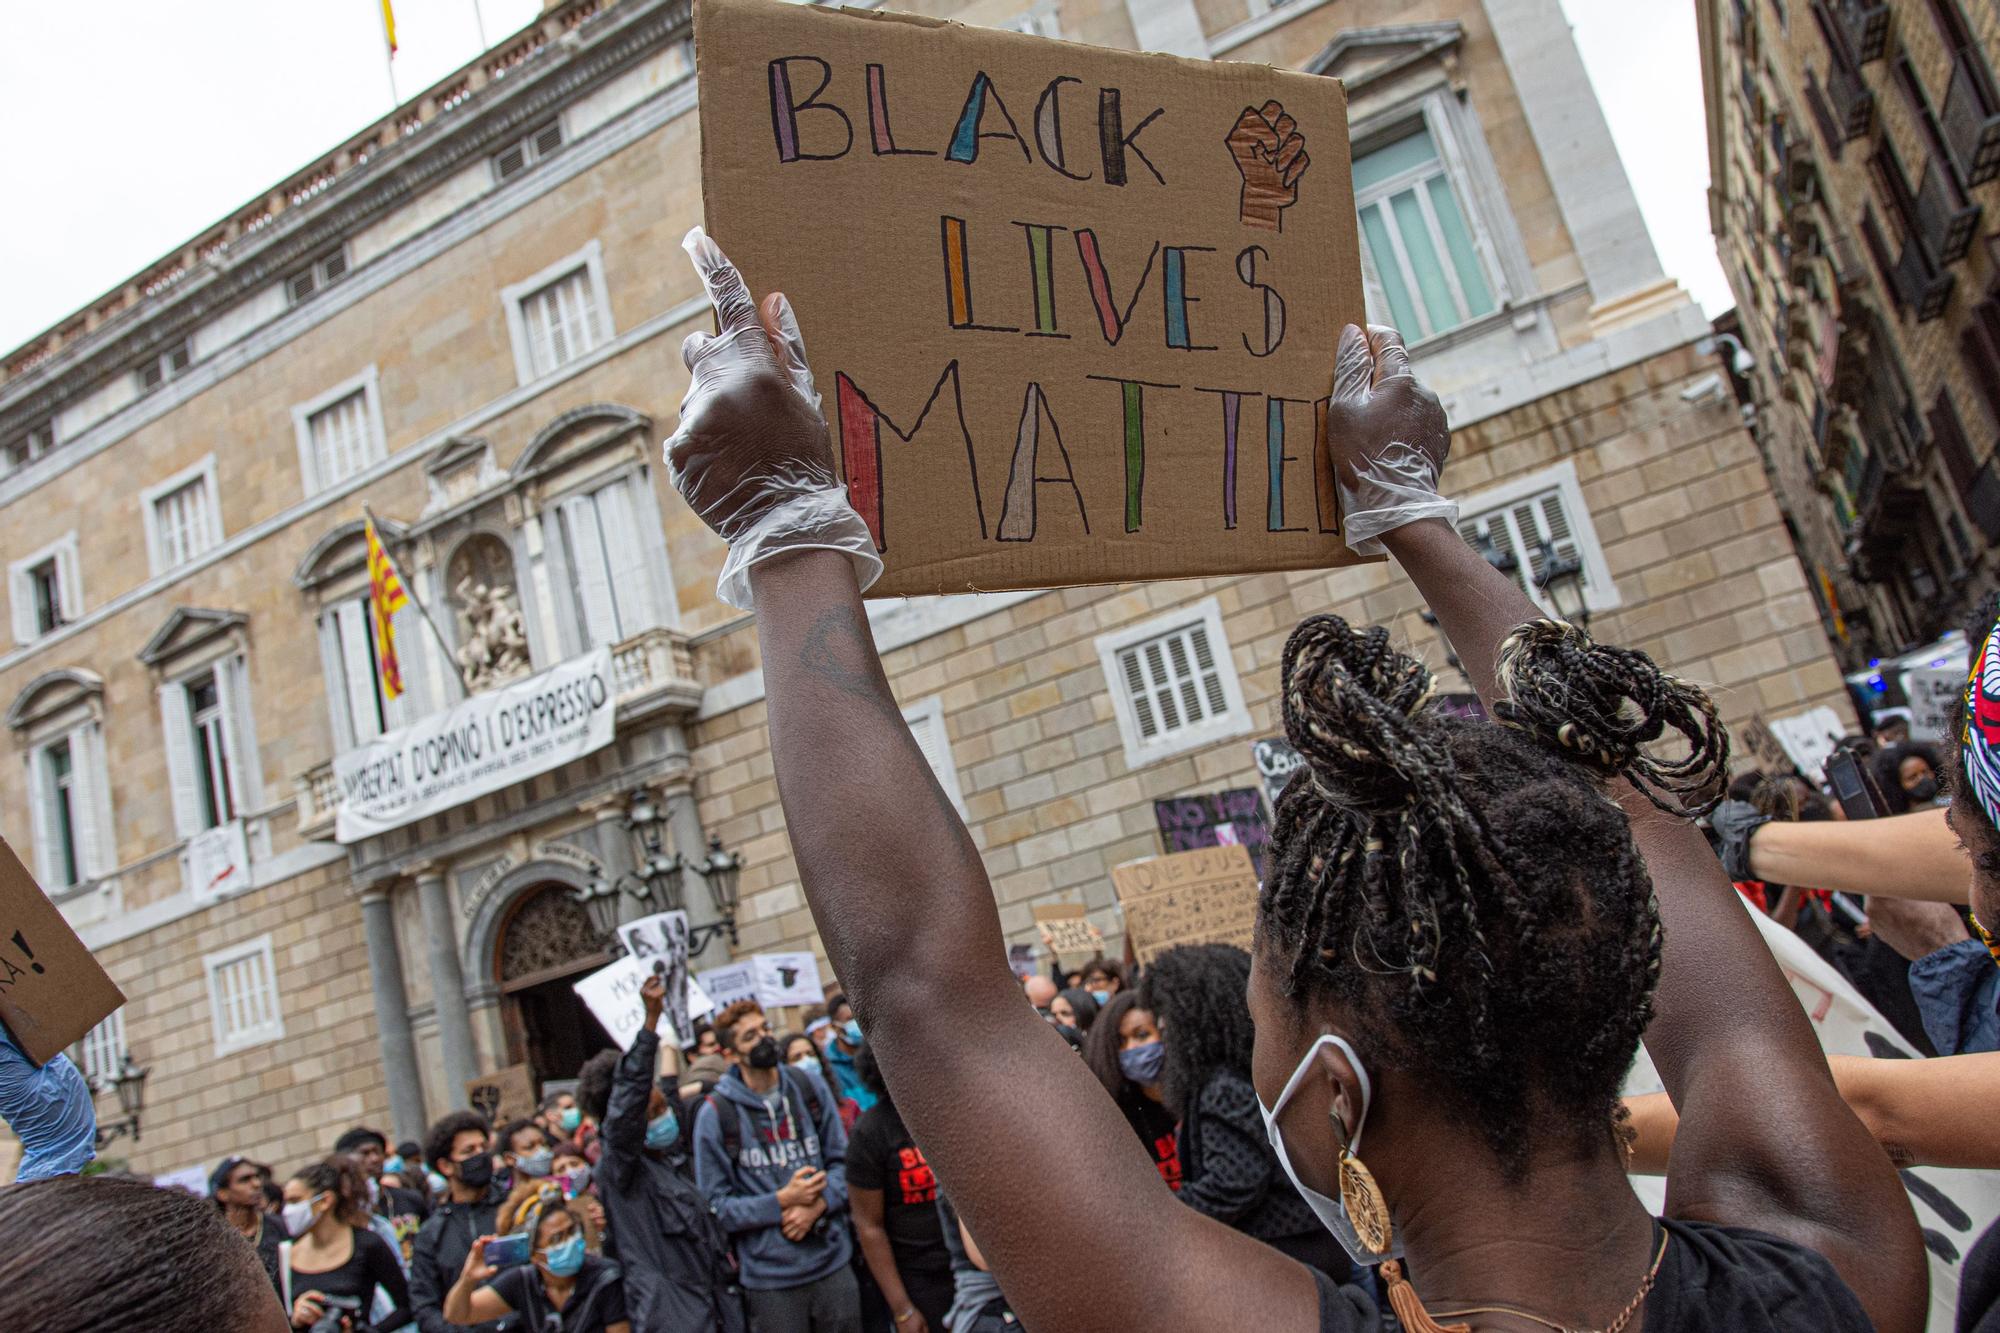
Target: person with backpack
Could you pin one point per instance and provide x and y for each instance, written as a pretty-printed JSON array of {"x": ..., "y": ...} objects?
[
  {"x": 675, "y": 1257},
  {"x": 771, "y": 1158}
]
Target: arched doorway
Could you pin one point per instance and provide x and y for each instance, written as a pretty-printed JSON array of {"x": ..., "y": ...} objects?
[{"x": 547, "y": 943}]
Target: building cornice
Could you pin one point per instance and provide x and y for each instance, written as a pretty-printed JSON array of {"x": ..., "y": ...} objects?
[{"x": 620, "y": 37}]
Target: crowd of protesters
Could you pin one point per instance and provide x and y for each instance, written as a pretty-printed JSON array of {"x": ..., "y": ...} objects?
[{"x": 1465, "y": 931}]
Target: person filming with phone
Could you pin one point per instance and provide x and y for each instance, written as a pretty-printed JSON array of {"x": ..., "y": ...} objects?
[
  {"x": 334, "y": 1262},
  {"x": 541, "y": 1269}
]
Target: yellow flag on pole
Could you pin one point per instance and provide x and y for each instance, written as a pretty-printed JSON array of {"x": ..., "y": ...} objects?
[
  {"x": 389, "y": 25},
  {"x": 385, "y": 598}
]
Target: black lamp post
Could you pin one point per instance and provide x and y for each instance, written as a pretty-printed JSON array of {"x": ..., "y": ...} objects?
[
  {"x": 655, "y": 886},
  {"x": 722, "y": 870},
  {"x": 130, "y": 1085},
  {"x": 1562, "y": 583}
]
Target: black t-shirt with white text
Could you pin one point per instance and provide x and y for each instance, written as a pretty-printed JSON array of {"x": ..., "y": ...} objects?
[
  {"x": 596, "y": 1302},
  {"x": 881, "y": 1155}
]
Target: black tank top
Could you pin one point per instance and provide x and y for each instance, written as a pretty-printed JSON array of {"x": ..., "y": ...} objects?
[{"x": 1726, "y": 1279}]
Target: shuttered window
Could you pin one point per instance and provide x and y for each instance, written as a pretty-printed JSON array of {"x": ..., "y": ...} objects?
[
  {"x": 342, "y": 442},
  {"x": 184, "y": 520},
  {"x": 562, "y": 321},
  {"x": 71, "y": 808},
  {"x": 610, "y": 557},
  {"x": 1173, "y": 684},
  {"x": 926, "y": 722},
  {"x": 102, "y": 1050},
  {"x": 211, "y": 746},
  {"x": 1534, "y": 517},
  {"x": 243, "y": 996},
  {"x": 1429, "y": 273},
  {"x": 524, "y": 152}
]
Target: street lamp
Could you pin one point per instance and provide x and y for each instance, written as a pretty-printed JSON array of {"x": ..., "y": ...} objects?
[
  {"x": 130, "y": 1085},
  {"x": 723, "y": 870},
  {"x": 656, "y": 885},
  {"x": 1562, "y": 583}
]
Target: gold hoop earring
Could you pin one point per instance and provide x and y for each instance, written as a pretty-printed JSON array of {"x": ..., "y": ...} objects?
[{"x": 1361, "y": 1196}]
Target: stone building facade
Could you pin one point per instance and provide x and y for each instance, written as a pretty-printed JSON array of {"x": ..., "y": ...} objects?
[
  {"x": 468, "y": 319},
  {"x": 1855, "y": 155}
]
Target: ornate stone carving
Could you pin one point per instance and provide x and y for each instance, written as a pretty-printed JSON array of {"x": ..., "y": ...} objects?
[
  {"x": 549, "y": 931},
  {"x": 492, "y": 638}
]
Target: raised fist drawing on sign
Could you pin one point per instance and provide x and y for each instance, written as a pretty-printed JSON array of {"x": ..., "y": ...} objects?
[{"x": 1271, "y": 154}]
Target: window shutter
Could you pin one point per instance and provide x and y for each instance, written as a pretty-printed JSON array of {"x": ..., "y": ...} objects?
[
  {"x": 593, "y": 579},
  {"x": 179, "y": 728},
  {"x": 631, "y": 570},
  {"x": 84, "y": 777},
  {"x": 41, "y": 796},
  {"x": 1556, "y": 525},
  {"x": 335, "y": 672},
  {"x": 1135, "y": 686},
  {"x": 413, "y": 651},
  {"x": 246, "y": 772},
  {"x": 927, "y": 729},
  {"x": 21, "y": 601},
  {"x": 99, "y": 796},
  {"x": 548, "y": 138},
  {"x": 555, "y": 558},
  {"x": 69, "y": 581},
  {"x": 358, "y": 670}
]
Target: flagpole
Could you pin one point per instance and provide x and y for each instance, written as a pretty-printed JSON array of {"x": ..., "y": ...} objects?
[
  {"x": 417, "y": 602},
  {"x": 388, "y": 55},
  {"x": 479, "y": 21}
]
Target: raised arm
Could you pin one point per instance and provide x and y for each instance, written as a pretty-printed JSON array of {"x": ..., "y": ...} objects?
[
  {"x": 906, "y": 911},
  {"x": 1765, "y": 1140}
]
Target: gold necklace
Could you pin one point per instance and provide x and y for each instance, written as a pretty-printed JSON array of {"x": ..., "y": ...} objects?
[{"x": 1615, "y": 1326}]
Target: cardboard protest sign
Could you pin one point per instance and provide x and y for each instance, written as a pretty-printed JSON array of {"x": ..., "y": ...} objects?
[
  {"x": 1935, "y": 694},
  {"x": 1221, "y": 819},
  {"x": 611, "y": 993},
  {"x": 1809, "y": 739},
  {"x": 787, "y": 979},
  {"x": 1276, "y": 761},
  {"x": 1201, "y": 897},
  {"x": 51, "y": 990},
  {"x": 505, "y": 1094},
  {"x": 1071, "y": 311},
  {"x": 1069, "y": 929},
  {"x": 730, "y": 982},
  {"x": 661, "y": 942},
  {"x": 1021, "y": 960}
]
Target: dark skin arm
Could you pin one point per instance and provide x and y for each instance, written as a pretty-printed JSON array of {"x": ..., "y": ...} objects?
[
  {"x": 869, "y": 1212},
  {"x": 1765, "y": 1140}
]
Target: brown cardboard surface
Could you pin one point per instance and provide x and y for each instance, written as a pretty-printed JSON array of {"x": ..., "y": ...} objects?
[
  {"x": 1201, "y": 897},
  {"x": 51, "y": 990},
  {"x": 1069, "y": 928},
  {"x": 506, "y": 1094},
  {"x": 1071, "y": 311}
]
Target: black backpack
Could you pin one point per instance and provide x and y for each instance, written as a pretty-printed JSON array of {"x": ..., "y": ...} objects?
[{"x": 730, "y": 1118}]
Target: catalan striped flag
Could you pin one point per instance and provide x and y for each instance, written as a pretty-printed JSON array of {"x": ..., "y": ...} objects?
[
  {"x": 389, "y": 25},
  {"x": 385, "y": 598}
]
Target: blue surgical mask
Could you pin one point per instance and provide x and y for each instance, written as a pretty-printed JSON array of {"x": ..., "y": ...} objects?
[
  {"x": 851, "y": 1031},
  {"x": 1142, "y": 1064},
  {"x": 663, "y": 1130},
  {"x": 1103, "y": 997},
  {"x": 575, "y": 1180},
  {"x": 1331, "y": 1212},
  {"x": 566, "y": 1259},
  {"x": 393, "y": 1162},
  {"x": 437, "y": 1182},
  {"x": 570, "y": 1119},
  {"x": 536, "y": 1164}
]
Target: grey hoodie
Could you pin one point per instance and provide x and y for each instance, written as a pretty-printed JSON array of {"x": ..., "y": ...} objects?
[{"x": 744, "y": 1192}]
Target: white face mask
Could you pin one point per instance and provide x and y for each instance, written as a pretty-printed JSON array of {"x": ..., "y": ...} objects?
[
  {"x": 1331, "y": 1212},
  {"x": 298, "y": 1217}
]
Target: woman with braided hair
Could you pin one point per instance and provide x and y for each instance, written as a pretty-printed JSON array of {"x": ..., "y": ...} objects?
[{"x": 1459, "y": 945}]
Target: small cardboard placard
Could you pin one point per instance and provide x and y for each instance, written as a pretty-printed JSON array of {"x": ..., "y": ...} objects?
[
  {"x": 730, "y": 982},
  {"x": 506, "y": 1094},
  {"x": 1201, "y": 897},
  {"x": 51, "y": 990},
  {"x": 787, "y": 979},
  {"x": 1069, "y": 928},
  {"x": 611, "y": 993},
  {"x": 1071, "y": 311}
]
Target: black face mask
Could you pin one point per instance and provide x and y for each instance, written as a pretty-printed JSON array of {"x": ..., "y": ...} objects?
[
  {"x": 476, "y": 1172},
  {"x": 1926, "y": 789},
  {"x": 764, "y": 1055}
]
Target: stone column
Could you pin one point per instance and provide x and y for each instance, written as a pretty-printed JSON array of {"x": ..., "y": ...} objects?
[
  {"x": 461, "y": 1057},
  {"x": 614, "y": 848},
  {"x": 689, "y": 839},
  {"x": 392, "y": 1016}
]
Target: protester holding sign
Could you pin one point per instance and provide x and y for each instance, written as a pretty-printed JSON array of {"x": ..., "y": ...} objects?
[
  {"x": 50, "y": 1111},
  {"x": 1458, "y": 934}
]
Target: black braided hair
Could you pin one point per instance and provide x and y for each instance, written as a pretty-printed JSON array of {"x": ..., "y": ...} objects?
[
  {"x": 1197, "y": 994},
  {"x": 1466, "y": 892}
]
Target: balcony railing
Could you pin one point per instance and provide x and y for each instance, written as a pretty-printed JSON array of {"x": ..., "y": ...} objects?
[
  {"x": 651, "y": 671},
  {"x": 1946, "y": 218},
  {"x": 1866, "y": 23},
  {"x": 1853, "y": 101},
  {"x": 1971, "y": 122},
  {"x": 1923, "y": 286}
]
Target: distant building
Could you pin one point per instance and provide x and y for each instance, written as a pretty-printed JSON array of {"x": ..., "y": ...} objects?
[
  {"x": 1855, "y": 150},
  {"x": 469, "y": 317}
]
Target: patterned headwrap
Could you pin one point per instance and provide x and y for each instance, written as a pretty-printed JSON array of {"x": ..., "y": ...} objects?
[{"x": 1982, "y": 726}]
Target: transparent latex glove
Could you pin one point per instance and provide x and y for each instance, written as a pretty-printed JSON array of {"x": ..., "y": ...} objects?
[
  {"x": 752, "y": 456},
  {"x": 1387, "y": 437}
]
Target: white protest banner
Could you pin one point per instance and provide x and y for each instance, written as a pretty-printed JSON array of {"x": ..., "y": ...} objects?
[
  {"x": 661, "y": 943},
  {"x": 787, "y": 978},
  {"x": 1809, "y": 739},
  {"x": 730, "y": 982},
  {"x": 490, "y": 741},
  {"x": 193, "y": 1179},
  {"x": 612, "y": 994},
  {"x": 1934, "y": 694},
  {"x": 1953, "y": 1207}
]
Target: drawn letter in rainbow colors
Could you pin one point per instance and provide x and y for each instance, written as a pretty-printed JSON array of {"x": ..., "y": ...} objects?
[
  {"x": 1019, "y": 512},
  {"x": 786, "y": 106},
  {"x": 1134, "y": 402},
  {"x": 965, "y": 138},
  {"x": 859, "y": 423}
]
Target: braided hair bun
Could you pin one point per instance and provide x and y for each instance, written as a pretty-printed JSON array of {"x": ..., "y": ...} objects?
[{"x": 1606, "y": 705}]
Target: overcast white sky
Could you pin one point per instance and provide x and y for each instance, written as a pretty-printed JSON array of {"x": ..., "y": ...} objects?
[{"x": 146, "y": 122}]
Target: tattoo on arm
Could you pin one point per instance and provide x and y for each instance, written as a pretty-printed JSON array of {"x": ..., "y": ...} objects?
[{"x": 837, "y": 651}]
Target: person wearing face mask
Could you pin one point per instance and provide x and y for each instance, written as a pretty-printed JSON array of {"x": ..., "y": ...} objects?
[
  {"x": 1103, "y": 979},
  {"x": 675, "y": 1255},
  {"x": 771, "y": 1158},
  {"x": 1228, "y": 1170},
  {"x": 561, "y": 1289},
  {"x": 524, "y": 1147},
  {"x": 467, "y": 1207},
  {"x": 1125, "y": 1053},
  {"x": 395, "y": 1214},
  {"x": 799, "y": 1052},
  {"x": 1074, "y": 1008},
  {"x": 334, "y": 1261},
  {"x": 844, "y": 1042},
  {"x": 1907, "y": 775},
  {"x": 1462, "y": 928}
]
